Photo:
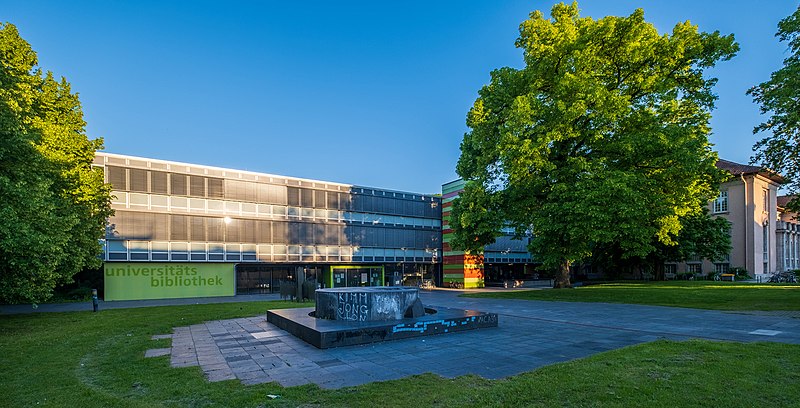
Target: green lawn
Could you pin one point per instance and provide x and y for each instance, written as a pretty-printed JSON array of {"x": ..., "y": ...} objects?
[
  {"x": 699, "y": 295},
  {"x": 97, "y": 359}
]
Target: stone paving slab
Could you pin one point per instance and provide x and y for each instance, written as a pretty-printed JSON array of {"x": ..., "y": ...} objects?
[
  {"x": 531, "y": 334},
  {"x": 157, "y": 352}
]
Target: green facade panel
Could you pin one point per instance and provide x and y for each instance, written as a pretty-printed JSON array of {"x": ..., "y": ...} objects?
[{"x": 152, "y": 280}]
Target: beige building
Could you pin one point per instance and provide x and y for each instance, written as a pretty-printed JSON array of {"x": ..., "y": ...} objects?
[
  {"x": 787, "y": 238},
  {"x": 749, "y": 201}
]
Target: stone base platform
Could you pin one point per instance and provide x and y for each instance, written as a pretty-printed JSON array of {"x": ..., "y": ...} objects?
[{"x": 324, "y": 333}]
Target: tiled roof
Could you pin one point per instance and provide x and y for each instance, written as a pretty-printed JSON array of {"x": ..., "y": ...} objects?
[
  {"x": 738, "y": 169},
  {"x": 783, "y": 200}
]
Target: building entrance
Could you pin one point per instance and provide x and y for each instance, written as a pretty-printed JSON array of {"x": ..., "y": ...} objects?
[
  {"x": 259, "y": 278},
  {"x": 344, "y": 276}
]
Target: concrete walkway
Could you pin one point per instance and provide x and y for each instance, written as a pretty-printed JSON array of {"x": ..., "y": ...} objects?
[{"x": 531, "y": 334}]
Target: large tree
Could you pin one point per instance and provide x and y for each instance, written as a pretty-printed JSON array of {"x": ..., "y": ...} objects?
[
  {"x": 602, "y": 138},
  {"x": 53, "y": 203},
  {"x": 779, "y": 97}
]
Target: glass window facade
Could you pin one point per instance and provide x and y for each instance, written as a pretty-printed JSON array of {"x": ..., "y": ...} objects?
[{"x": 193, "y": 213}]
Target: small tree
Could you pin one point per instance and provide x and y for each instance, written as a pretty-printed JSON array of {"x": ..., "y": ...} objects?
[
  {"x": 701, "y": 236},
  {"x": 601, "y": 138},
  {"x": 779, "y": 97},
  {"x": 53, "y": 204}
]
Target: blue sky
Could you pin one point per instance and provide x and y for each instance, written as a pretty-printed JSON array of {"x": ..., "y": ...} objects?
[{"x": 368, "y": 93}]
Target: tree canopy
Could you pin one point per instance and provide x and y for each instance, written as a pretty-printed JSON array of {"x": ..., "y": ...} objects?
[
  {"x": 602, "y": 137},
  {"x": 779, "y": 97},
  {"x": 53, "y": 204}
]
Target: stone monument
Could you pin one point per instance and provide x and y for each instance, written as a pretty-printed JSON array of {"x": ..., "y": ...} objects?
[
  {"x": 368, "y": 304},
  {"x": 357, "y": 315}
]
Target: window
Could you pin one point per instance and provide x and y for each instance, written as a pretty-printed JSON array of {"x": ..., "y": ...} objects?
[
  {"x": 178, "y": 184},
  {"x": 306, "y": 198},
  {"x": 319, "y": 199},
  {"x": 694, "y": 268},
  {"x": 237, "y": 190},
  {"x": 197, "y": 186},
  {"x": 721, "y": 267},
  {"x": 117, "y": 177},
  {"x": 721, "y": 203},
  {"x": 216, "y": 188},
  {"x": 787, "y": 251},
  {"x": 179, "y": 228},
  {"x": 670, "y": 268},
  {"x": 293, "y": 196},
  {"x": 158, "y": 182},
  {"x": 138, "y": 180},
  {"x": 197, "y": 229},
  {"x": 333, "y": 200},
  {"x": 198, "y": 252}
]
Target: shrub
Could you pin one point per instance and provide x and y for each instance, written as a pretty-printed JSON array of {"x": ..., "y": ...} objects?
[
  {"x": 741, "y": 273},
  {"x": 81, "y": 293}
]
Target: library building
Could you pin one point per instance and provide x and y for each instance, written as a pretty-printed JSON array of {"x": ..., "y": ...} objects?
[{"x": 185, "y": 230}]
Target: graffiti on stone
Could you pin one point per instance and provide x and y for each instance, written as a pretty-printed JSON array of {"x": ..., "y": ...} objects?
[
  {"x": 486, "y": 318},
  {"x": 352, "y": 306}
]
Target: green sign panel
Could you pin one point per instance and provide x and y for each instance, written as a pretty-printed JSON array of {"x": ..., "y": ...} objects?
[{"x": 134, "y": 281}]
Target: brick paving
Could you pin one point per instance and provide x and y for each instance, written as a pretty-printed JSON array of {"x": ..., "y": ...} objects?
[{"x": 530, "y": 335}]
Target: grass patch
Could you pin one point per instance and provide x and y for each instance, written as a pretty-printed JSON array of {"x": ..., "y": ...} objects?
[
  {"x": 698, "y": 295},
  {"x": 97, "y": 359}
]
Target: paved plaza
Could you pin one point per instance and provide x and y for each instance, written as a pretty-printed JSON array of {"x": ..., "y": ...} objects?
[{"x": 530, "y": 334}]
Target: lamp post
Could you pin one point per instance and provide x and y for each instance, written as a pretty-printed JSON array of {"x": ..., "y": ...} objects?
[
  {"x": 403, "y": 265},
  {"x": 434, "y": 252}
]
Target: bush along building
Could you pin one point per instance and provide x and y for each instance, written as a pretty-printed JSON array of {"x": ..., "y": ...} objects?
[{"x": 186, "y": 230}]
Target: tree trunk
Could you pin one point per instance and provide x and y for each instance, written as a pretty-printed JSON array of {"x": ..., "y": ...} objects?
[
  {"x": 659, "y": 270},
  {"x": 562, "y": 277}
]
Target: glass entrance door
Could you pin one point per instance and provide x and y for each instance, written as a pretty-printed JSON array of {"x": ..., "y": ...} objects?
[{"x": 354, "y": 276}]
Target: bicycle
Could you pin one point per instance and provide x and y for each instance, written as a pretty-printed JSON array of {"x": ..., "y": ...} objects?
[
  {"x": 783, "y": 277},
  {"x": 454, "y": 285},
  {"x": 426, "y": 284}
]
